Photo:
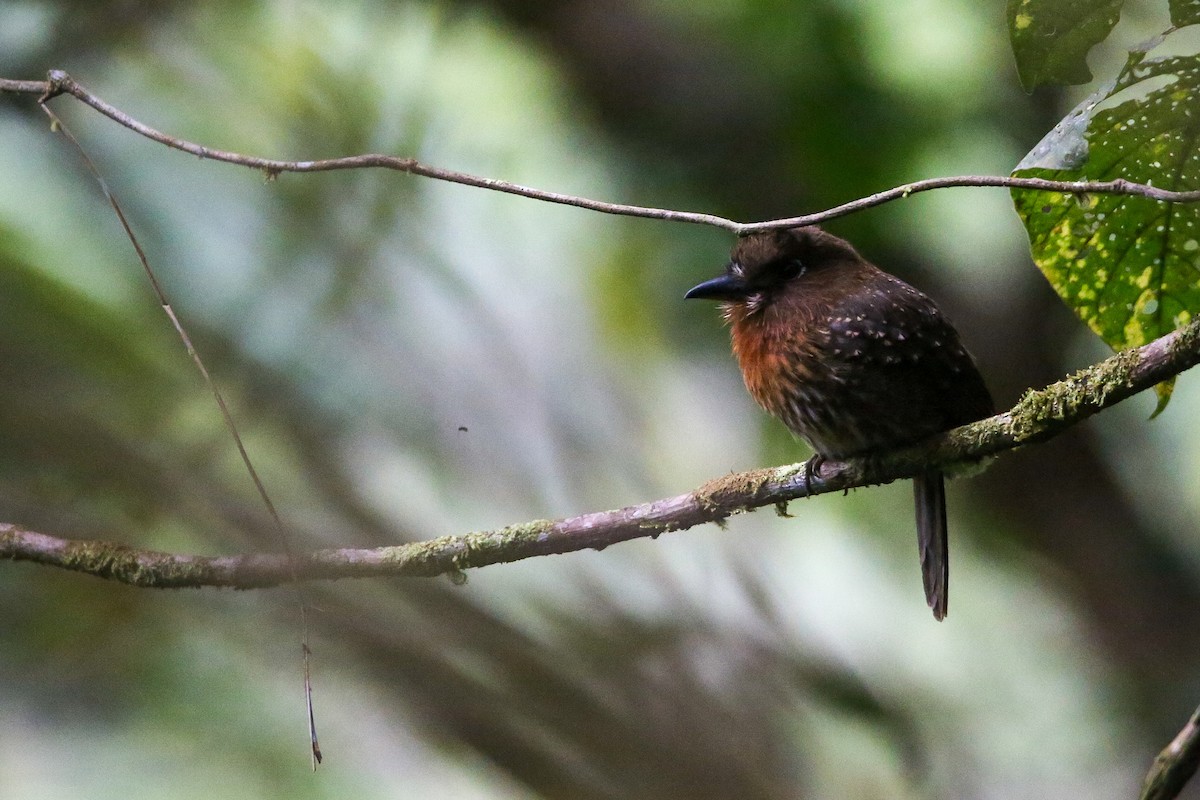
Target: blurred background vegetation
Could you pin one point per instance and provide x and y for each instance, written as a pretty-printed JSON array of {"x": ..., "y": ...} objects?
[{"x": 359, "y": 321}]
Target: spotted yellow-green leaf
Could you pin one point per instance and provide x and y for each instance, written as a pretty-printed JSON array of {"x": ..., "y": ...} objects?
[
  {"x": 1128, "y": 266},
  {"x": 1051, "y": 38}
]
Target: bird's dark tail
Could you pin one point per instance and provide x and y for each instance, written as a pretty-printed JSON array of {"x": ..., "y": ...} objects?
[{"x": 929, "y": 490}]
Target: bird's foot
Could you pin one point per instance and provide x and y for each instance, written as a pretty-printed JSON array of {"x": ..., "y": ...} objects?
[{"x": 812, "y": 467}]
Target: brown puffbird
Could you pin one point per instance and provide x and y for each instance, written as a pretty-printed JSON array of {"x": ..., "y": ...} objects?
[{"x": 851, "y": 359}]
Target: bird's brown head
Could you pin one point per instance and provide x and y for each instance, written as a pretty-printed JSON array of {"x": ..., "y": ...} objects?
[{"x": 762, "y": 265}]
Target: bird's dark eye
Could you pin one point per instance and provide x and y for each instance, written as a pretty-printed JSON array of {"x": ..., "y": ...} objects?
[{"x": 792, "y": 269}]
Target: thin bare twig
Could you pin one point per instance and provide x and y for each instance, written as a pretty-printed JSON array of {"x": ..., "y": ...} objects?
[
  {"x": 61, "y": 83},
  {"x": 24, "y": 87},
  {"x": 1176, "y": 764},
  {"x": 1038, "y": 416},
  {"x": 160, "y": 293}
]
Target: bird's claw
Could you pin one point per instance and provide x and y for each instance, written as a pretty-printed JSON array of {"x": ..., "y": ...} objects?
[{"x": 812, "y": 467}]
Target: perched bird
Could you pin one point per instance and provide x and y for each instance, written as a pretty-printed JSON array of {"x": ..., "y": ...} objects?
[{"x": 851, "y": 359}]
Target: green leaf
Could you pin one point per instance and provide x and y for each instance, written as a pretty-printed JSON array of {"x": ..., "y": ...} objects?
[
  {"x": 1128, "y": 266},
  {"x": 1051, "y": 38},
  {"x": 1185, "y": 12}
]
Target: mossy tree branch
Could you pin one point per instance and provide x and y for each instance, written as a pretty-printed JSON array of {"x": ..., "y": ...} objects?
[{"x": 1039, "y": 415}]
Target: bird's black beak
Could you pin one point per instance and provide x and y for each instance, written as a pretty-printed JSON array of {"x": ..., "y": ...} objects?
[{"x": 723, "y": 287}]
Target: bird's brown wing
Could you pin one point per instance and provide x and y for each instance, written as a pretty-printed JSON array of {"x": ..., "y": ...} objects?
[{"x": 901, "y": 371}]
